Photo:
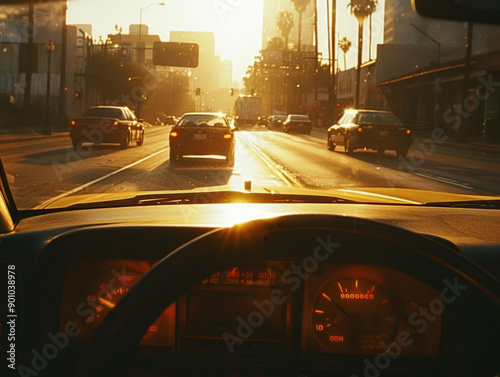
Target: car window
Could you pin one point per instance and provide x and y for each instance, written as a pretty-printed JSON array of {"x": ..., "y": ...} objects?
[
  {"x": 202, "y": 121},
  {"x": 99, "y": 112},
  {"x": 378, "y": 118}
]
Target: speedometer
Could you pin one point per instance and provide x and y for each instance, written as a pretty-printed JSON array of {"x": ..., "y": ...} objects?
[{"x": 353, "y": 315}]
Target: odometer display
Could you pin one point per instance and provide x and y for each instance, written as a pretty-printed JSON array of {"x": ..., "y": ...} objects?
[{"x": 263, "y": 277}]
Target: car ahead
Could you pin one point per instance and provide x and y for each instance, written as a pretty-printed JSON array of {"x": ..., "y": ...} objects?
[
  {"x": 297, "y": 123},
  {"x": 170, "y": 120},
  {"x": 202, "y": 135},
  {"x": 107, "y": 124},
  {"x": 378, "y": 130},
  {"x": 275, "y": 122}
]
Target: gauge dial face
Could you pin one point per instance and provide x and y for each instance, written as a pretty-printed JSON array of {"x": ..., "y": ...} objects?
[{"x": 354, "y": 316}]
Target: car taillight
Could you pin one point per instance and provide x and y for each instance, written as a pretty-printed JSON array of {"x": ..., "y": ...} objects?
[
  {"x": 408, "y": 132},
  {"x": 228, "y": 136},
  {"x": 73, "y": 123},
  {"x": 174, "y": 134},
  {"x": 116, "y": 123},
  {"x": 360, "y": 129}
]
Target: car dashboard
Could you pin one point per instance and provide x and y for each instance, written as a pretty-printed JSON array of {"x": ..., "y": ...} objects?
[{"x": 358, "y": 310}]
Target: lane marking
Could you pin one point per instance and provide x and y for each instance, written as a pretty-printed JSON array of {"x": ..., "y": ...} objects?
[
  {"x": 287, "y": 178},
  {"x": 444, "y": 180},
  {"x": 84, "y": 186}
]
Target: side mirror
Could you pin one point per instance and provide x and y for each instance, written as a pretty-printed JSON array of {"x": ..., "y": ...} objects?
[
  {"x": 140, "y": 120},
  {"x": 482, "y": 11}
]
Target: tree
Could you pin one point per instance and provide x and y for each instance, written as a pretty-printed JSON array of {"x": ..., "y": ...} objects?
[
  {"x": 361, "y": 9},
  {"x": 345, "y": 45},
  {"x": 285, "y": 24},
  {"x": 300, "y": 6},
  {"x": 275, "y": 43}
]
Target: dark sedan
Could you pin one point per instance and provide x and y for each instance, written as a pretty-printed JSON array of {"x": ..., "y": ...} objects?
[
  {"x": 202, "y": 135},
  {"x": 275, "y": 122},
  {"x": 107, "y": 124},
  {"x": 297, "y": 123},
  {"x": 377, "y": 130}
]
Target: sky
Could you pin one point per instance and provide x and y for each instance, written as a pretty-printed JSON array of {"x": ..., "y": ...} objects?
[{"x": 237, "y": 24}]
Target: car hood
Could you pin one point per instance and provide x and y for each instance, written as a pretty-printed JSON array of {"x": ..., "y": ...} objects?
[{"x": 389, "y": 196}]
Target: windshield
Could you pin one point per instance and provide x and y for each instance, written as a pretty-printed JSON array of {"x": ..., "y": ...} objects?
[{"x": 145, "y": 66}]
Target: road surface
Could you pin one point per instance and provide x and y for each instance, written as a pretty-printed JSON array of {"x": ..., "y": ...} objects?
[{"x": 47, "y": 168}]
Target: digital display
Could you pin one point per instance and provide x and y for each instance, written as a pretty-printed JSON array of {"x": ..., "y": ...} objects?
[
  {"x": 212, "y": 313},
  {"x": 266, "y": 277}
]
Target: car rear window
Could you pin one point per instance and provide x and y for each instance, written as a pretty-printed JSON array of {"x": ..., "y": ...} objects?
[
  {"x": 379, "y": 118},
  {"x": 300, "y": 117},
  {"x": 202, "y": 121},
  {"x": 102, "y": 112}
]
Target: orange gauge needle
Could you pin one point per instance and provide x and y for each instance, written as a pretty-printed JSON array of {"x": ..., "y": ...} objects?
[{"x": 109, "y": 304}]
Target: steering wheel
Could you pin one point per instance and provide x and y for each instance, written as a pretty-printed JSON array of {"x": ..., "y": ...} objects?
[{"x": 248, "y": 244}]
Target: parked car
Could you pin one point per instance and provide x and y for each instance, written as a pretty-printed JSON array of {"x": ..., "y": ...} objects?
[
  {"x": 275, "y": 122},
  {"x": 378, "y": 130},
  {"x": 107, "y": 124},
  {"x": 202, "y": 134},
  {"x": 297, "y": 123}
]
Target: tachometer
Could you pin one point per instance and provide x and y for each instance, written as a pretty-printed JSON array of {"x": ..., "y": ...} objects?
[{"x": 354, "y": 316}]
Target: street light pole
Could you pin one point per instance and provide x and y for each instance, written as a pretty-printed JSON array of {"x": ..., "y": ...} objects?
[
  {"x": 139, "y": 48},
  {"x": 49, "y": 47}
]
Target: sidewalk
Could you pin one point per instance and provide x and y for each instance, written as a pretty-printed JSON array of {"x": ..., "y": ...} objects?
[{"x": 28, "y": 133}]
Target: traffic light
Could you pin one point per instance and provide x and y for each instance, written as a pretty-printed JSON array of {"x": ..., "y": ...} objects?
[
  {"x": 198, "y": 91},
  {"x": 298, "y": 86},
  {"x": 231, "y": 92},
  {"x": 78, "y": 95},
  {"x": 254, "y": 92}
]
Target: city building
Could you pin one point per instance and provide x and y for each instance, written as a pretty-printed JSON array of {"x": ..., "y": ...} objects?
[{"x": 211, "y": 74}]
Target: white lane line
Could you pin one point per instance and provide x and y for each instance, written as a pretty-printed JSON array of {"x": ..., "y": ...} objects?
[
  {"x": 79, "y": 188},
  {"x": 287, "y": 178},
  {"x": 444, "y": 180},
  {"x": 382, "y": 196}
]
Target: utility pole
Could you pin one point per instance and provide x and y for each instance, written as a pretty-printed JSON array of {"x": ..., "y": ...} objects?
[
  {"x": 62, "y": 82},
  {"x": 29, "y": 60},
  {"x": 464, "y": 130},
  {"x": 333, "y": 57}
]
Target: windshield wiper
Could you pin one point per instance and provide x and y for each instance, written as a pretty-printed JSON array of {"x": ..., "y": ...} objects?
[
  {"x": 220, "y": 197},
  {"x": 477, "y": 204}
]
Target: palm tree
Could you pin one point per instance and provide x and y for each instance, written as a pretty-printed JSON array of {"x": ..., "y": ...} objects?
[
  {"x": 361, "y": 9},
  {"x": 300, "y": 6},
  {"x": 345, "y": 45},
  {"x": 275, "y": 43},
  {"x": 285, "y": 24},
  {"x": 373, "y": 9}
]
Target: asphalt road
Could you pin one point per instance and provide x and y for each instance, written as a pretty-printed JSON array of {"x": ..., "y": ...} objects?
[{"x": 45, "y": 168}]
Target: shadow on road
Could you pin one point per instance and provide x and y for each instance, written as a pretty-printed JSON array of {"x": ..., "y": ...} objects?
[{"x": 70, "y": 155}]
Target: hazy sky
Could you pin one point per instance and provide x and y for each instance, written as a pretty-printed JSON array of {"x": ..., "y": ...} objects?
[{"x": 237, "y": 24}]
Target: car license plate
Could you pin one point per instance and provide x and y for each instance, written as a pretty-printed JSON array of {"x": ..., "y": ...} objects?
[
  {"x": 200, "y": 136},
  {"x": 94, "y": 125},
  {"x": 383, "y": 133}
]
